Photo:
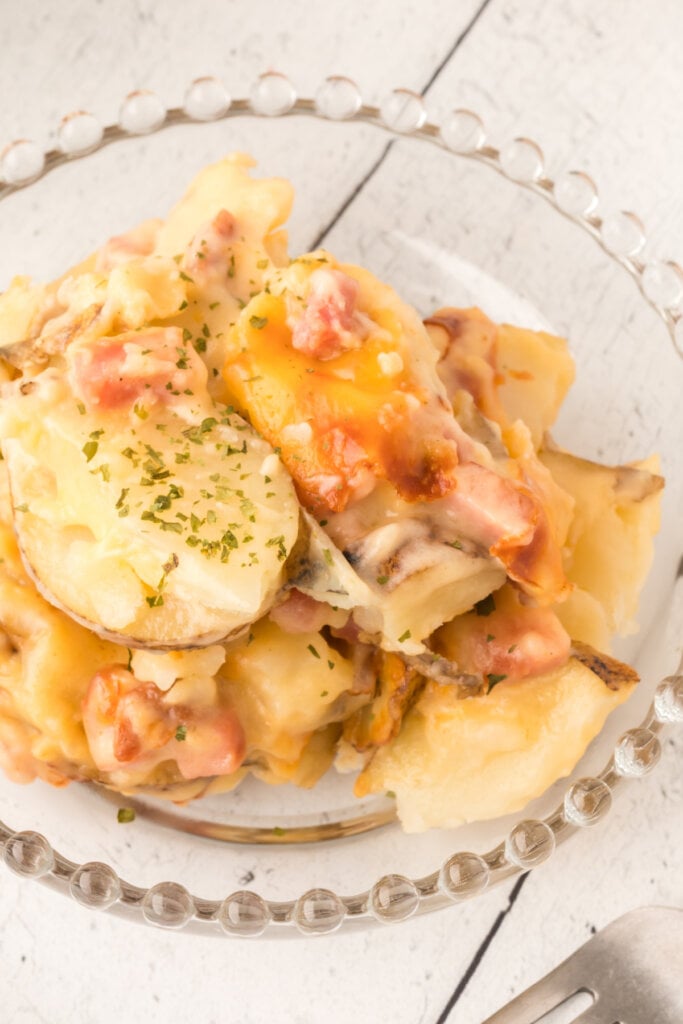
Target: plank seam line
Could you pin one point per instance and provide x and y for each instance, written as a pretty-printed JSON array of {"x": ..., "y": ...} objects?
[
  {"x": 481, "y": 951},
  {"x": 383, "y": 155},
  {"x": 352, "y": 195},
  {"x": 458, "y": 42}
]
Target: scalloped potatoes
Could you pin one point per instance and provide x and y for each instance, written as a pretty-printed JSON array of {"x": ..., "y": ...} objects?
[{"x": 268, "y": 520}]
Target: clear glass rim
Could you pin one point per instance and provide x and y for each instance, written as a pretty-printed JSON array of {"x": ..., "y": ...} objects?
[{"x": 465, "y": 874}]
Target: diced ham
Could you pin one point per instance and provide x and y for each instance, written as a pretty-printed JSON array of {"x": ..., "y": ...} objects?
[
  {"x": 352, "y": 459},
  {"x": 489, "y": 508},
  {"x": 510, "y": 520},
  {"x": 214, "y": 743},
  {"x": 148, "y": 365},
  {"x": 209, "y": 253},
  {"x": 513, "y": 641},
  {"x": 120, "y": 249},
  {"x": 329, "y": 324},
  {"x": 132, "y": 724},
  {"x": 299, "y": 613}
]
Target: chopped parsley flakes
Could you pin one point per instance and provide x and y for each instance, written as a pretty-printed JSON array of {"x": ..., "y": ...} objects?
[
  {"x": 494, "y": 679},
  {"x": 89, "y": 449}
]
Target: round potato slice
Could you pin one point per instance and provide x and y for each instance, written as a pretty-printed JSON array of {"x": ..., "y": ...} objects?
[
  {"x": 160, "y": 526},
  {"x": 460, "y": 760}
]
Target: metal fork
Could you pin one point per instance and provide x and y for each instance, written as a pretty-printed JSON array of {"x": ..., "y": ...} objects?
[{"x": 633, "y": 969}]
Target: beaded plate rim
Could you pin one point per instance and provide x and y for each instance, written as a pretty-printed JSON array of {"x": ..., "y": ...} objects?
[{"x": 530, "y": 842}]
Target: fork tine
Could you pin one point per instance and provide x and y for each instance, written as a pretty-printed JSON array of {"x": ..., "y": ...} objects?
[
  {"x": 595, "y": 1015},
  {"x": 552, "y": 990}
]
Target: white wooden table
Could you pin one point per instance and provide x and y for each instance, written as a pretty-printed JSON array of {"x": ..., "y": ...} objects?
[{"x": 595, "y": 83}]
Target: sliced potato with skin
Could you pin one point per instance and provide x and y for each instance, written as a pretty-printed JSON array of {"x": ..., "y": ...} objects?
[
  {"x": 456, "y": 760},
  {"x": 399, "y": 582},
  {"x": 167, "y": 545},
  {"x": 333, "y": 368},
  {"x": 445, "y": 583}
]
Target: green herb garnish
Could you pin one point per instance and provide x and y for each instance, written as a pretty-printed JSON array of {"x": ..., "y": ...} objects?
[
  {"x": 89, "y": 449},
  {"x": 493, "y": 680}
]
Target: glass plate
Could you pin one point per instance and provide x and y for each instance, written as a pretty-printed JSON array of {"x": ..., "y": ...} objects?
[{"x": 446, "y": 218}]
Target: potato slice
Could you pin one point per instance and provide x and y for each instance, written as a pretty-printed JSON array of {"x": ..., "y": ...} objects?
[
  {"x": 609, "y": 546},
  {"x": 458, "y": 760},
  {"x": 512, "y": 373},
  {"x": 227, "y": 233},
  {"x": 317, "y": 755},
  {"x": 284, "y": 687},
  {"x": 584, "y": 619},
  {"x": 400, "y": 585},
  {"x": 536, "y": 372},
  {"x": 166, "y": 533},
  {"x": 260, "y": 205}
]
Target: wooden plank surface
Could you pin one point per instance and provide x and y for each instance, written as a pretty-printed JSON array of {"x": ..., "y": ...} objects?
[{"x": 599, "y": 86}]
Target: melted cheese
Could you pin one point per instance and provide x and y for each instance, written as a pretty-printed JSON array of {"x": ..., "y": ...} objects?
[
  {"x": 365, "y": 422},
  {"x": 164, "y": 530}
]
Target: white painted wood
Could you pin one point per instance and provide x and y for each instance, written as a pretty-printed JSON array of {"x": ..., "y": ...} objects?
[
  {"x": 598, "y": 85},
  {"x": 56, "y": 59},
  {"x": 83, "y": 967},
  {"x": 632, "y": 860}
]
